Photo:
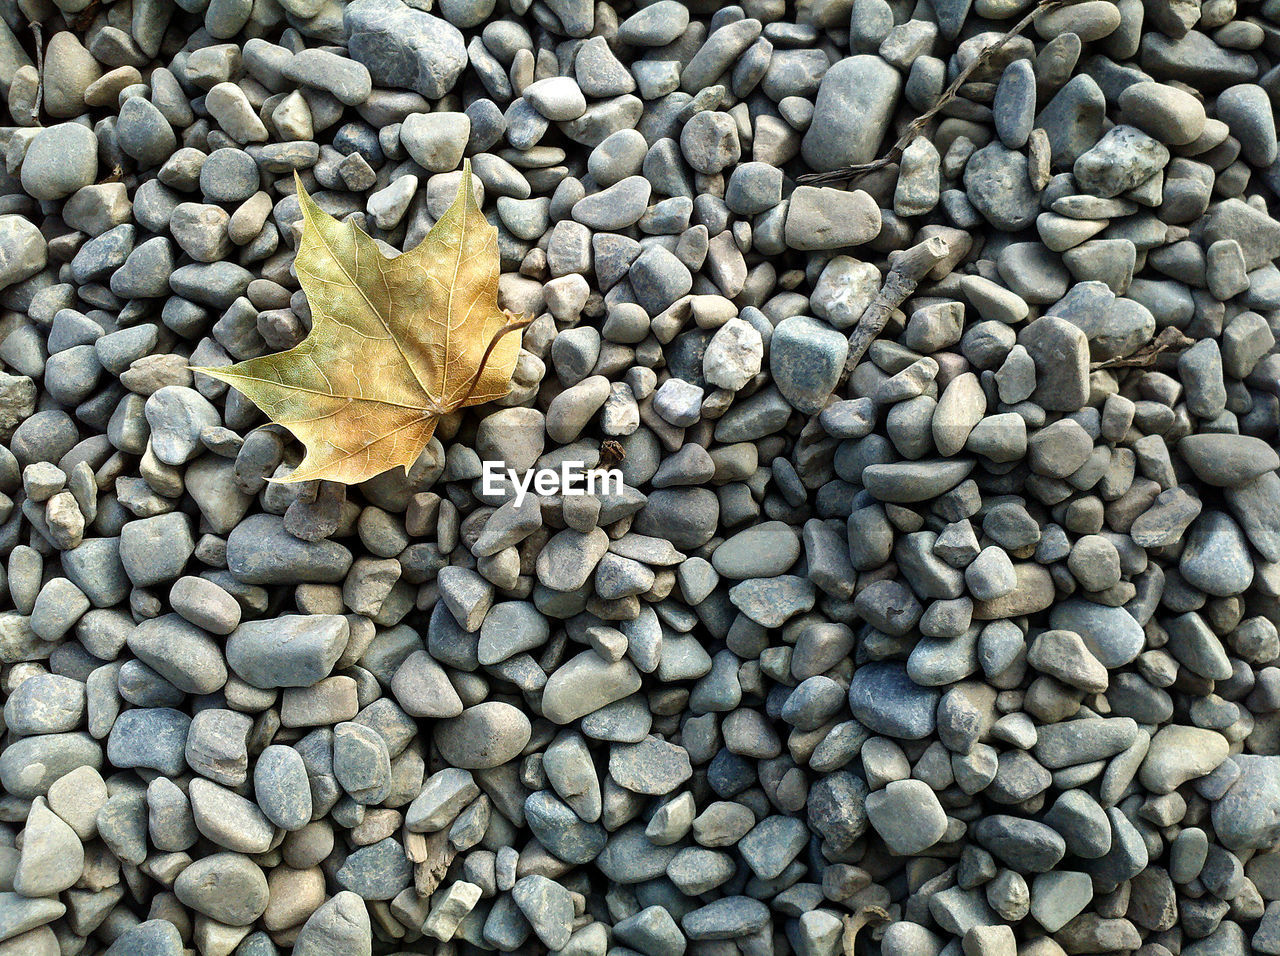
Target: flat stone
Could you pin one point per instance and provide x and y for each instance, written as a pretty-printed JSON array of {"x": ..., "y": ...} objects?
[
  {"x": 289, "y": 650},
  {"x": 585, "y": 684},
  {"x": 820, "y": 217},
  {"x": 1226, "y": 460},
  {"x": 886, "y": 700}
]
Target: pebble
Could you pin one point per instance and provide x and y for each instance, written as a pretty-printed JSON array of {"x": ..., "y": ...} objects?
[
  {"x": 1171, "y": 115},
  {"x": 23, "y": 250},
  {"x": 852, "y": 111},
  {"x": 60, "y": 160},
  {"x": 977, "y": 632},
  {"x": 887, "y": 701},
  {"x": 483, "y": 736},
  {"x": 806, "y": 358},
  {"x": 907, "y": 815},
  {"x": 404, "y": 47},
  {"x": 227, "y": 887},
  {"x": 289, "y": 651},
  {"x": 823, "y": 218},
  {"x": 52, "y": 856}
]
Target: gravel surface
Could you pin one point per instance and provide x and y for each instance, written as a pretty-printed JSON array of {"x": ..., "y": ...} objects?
[{"x": 969, "y": 649}]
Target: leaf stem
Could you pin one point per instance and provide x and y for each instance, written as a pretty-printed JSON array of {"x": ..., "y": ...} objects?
[{"x": 484, "y": 359}]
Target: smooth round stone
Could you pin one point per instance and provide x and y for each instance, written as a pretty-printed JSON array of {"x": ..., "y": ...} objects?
[
  {"x": 287, "y": 651},
  {"x": 806, "y": 357},
  {"x": 766, "y": 550},
  {"x": 616, "y": 207},
  {"x": 561, "y": 830},
  {"x": 1112, "y": 633},
  {"x": 729, "y": 918},
  {"x": 361, "y": 763},
  {"x": 23, "y": 250},
  {"x": 1226, "y": 460},
  {"x": 281, "y": 787},
  {"x": 144, "y": 133},
  {"x": 886, "y": 700},
  {"x": 376, "y": 872},
  {"x": 820, "y": 217},
  {"x": 1171, "y": 115},
  {"x": 436, "y": 141},
  {"x": 687, "y": 517},
  {"x": 585, "y": 684},
  {"x": 261, "y": 551},
  {"x": 228, "y": 819},
  {"x": 509, "y": 628},
  {"x": 567, "y": 560},
  {"x": 483, "y": 736},
  {"x": 772, "y": 601},
  {"x": 1091, "y": 20},
  {"x": 655, "y": 25},
  {"x": 69, "y": 72},
  {"x": 52, "y": 855},
  {"x": 1178, "y": 754},
  {"x": 907, "y": 482},
  {"x": 150, "y": 737},
  {"x": 1246, "y": 109},
  {"x": 339, "y": 925},
  {"x": 844, "y": 289},
  {"x": 60, "y": 160},
  {"x": 710, "y": 143},
  {"x": 652, "y": 766},
  {"x": 558, "y": 98},
  {"x": 1216, "y": 558},
  {"x": 1015, "y": 104},
  {"x": 177, "y": 415},
  {"x": 227, "y": 887},
  {"x": 852, "y": 112},
  {"x": 45, "y": 704},
  {"x": 1058, "y": 897},
  {"x": 229, "y": 175},
  {"x": 29, "y": 765},
  {"x": 904, "y": 938},
  {"x": 907, "y": 815},
  {"x": 205, "y": 604},
  {"x": 1247, "y": 817},
  {"x": 997, "y": 184},
  {"x": 753, "y": 188},
  {"x": 153, "y": 937},
  {"x": 155, "y": 550},
  {"x": 619, "y": 156},
  {"x": 1125, "y": 157}
]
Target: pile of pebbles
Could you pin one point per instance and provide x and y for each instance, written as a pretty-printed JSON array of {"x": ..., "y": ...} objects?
[{"x": 973, "y": 651}]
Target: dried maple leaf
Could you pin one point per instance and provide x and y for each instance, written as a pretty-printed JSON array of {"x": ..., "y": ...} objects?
[{"x": 394, "y": 343}]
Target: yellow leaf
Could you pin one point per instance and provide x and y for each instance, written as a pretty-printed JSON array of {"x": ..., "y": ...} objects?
[{"x": 394, "y": 343}]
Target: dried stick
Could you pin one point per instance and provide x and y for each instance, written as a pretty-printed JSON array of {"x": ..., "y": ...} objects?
[
  {"x": 853, "y": 923},
  {"x": 1169, "y": 340},
  {"x": 906, "y": 269},
  {"x": 39, "y": 37},
  {"x": 918, "y": 124}
]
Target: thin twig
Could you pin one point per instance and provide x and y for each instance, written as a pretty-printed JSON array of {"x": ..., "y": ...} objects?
[
  {"x": 1169, "y": 340},
  {"x": 39, "y": 36},
  {"x": 917, "y": 125},
  {"x": 484, "y": 359}
]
